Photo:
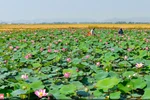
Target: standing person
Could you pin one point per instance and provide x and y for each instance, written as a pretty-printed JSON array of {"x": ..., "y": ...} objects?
[
  {"x": 120, "y": 31},
  {"x": 91, "y": 32}
]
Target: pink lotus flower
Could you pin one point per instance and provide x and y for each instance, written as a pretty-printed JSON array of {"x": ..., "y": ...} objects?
[
  {"x": 76, "y": 40},
  {"x": 56, "y": 51},
  {"x": 24, "y": 40},
  {"x": 49, "y": 50},
  {"x": 1, "y": 96},
  {"x": 68, "y": 59},
  {"x": 139, "y": 65},
  {"x": 87, "y": 56},
  {"x": 25, "y": 76},
  {"x": 63, "y": 49},
  {"x": 28, "y": 56},
  {"x": 106, "y": 43},
  {"x": 98, "y": 63},
  {"x": 41, "y": 49},
  {"x": 67, "y": 75},
  {"x": 56, "y": 42},
  {"x": 5, "y": 61},
  {"x": 17, "y": 47},
  {"x": 129, "y": 49},
  {"x": 146, "y": 48},
  {"x": 147, "y": 40},
  {"x": 11, "y": 47},
  {"x": 32, "y": 41},
  {"x": 40, "y": 93},
  {"x": 77, "y": 70}
]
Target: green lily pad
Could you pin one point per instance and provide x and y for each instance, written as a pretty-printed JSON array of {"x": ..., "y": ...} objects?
[
  {"x": 37, "y": 85},
  {"x": 68, "y": 89},
  {"x": 18, "y": 92},
  {"x": 107, "y": 83},
  {"x": 115, "y": 95},
  {"x": 146, "y": 94},
  {"x": 101, "y": 75}
]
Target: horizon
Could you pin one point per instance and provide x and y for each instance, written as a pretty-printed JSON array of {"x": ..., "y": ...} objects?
[{"x": 75, "y": 11}]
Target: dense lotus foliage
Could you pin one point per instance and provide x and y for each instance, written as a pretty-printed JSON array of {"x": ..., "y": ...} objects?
[{"x": 65, "y": 64}]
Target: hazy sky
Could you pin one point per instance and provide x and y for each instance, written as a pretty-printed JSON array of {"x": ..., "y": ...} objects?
[{"x": 97, "y": 10}]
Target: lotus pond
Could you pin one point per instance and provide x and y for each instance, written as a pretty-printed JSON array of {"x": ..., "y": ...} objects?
[{"x": 65, "y": 64}]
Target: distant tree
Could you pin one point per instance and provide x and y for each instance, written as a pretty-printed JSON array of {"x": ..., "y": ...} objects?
[
  {"x": 121, "y": 22},
  {"x": 130, "y": 22}
]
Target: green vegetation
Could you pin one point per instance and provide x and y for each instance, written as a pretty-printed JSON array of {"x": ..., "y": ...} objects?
[{"x": 69, "y": 65}]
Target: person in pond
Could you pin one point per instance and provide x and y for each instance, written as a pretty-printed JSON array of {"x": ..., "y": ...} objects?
[
  {"x": 120, "y": 31},
  {"x": 91, "y": 32}
]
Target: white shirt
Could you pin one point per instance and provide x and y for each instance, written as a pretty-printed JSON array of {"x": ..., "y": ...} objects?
[{"x": 92, "y": 31}]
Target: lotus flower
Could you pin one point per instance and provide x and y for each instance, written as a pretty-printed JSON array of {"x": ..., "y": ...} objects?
[
  {"x": 1, "y": 96},
  {"x": 125, "y": 57},
  {"x": 32, "y": 41},
  {"x": 11, "y": 47},
  {"x": 98, "y": 63},
  {"x": 63, "y": 49},
  {"x": 146, "y": 48},
  {"x": 17, "y": 47},
  {"x": 56, "y": 42},
  {"x": 25, "y": 76},
  {"x": 87, "y": 56},
  {"x": 67, "y": 75},
  {"x": 28, "y": 56},
  {"x": 106, "y": 43},
  {"x": 139, "y": 65},
  {"x": 24, "y": 40},
  {"x": 76, "y": 40},
  {"x": 56, "y": 51},
  {"x": 49, "y": 50},
  {"x": 68, "y": 59},
  {"x": 41, "y": 49},
  {"x": 40, "y": 93},
  {"x": 5, "y": 61},
  {"x": 147, "y": 40},
  {"x": 77, "y": 70},
  {"x": 129, "y": 49}
]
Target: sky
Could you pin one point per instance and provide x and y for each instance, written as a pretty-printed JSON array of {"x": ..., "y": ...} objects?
[{"x": 72, "y": 10}]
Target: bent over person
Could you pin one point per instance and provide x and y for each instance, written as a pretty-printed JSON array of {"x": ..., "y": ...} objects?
[
  {"x": 120, "y": 31},
  {"x": 91, "y": 32}
]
